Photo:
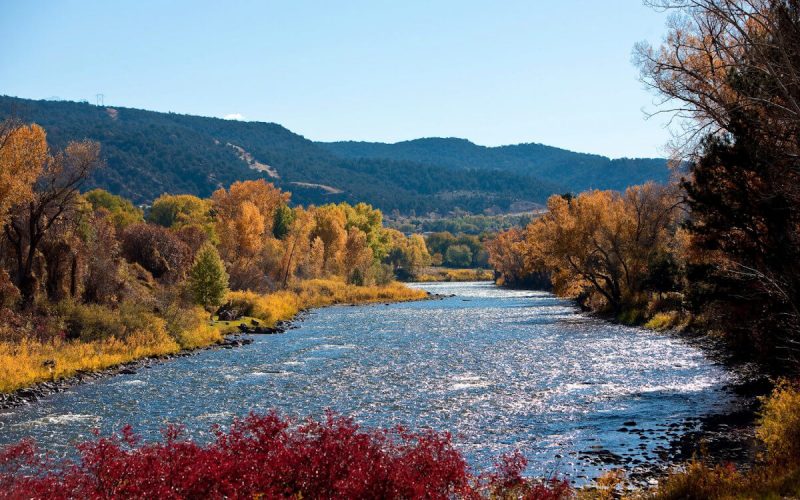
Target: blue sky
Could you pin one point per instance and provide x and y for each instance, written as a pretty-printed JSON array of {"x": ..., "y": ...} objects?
[{"x": 495, "y": 72}]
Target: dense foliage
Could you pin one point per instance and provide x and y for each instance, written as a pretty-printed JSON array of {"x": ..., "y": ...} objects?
[
  {"x": 605, "y": 248},
  {"x": 266, "y": 456},
  {"x": 148, "y": 153},
  {"x": 461, "y": 251},
  {"x": 567, "y": 169},
  {"x": 467, "y": 224},
  {"x": 87, "y": 281}
]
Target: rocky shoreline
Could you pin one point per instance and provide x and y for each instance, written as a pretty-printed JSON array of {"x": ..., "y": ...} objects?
[{"x": 715, "y": 438}]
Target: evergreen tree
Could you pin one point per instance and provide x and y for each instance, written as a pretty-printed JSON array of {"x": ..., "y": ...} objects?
[
  {"x": 284, "y": 217},
  {"x": 208, "y": 281}
]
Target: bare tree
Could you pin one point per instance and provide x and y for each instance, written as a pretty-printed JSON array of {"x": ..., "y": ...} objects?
[{"x": 721, "y": 57}]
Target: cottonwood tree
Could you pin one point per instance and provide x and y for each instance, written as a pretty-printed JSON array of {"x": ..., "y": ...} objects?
[
  {"x": 599, "y": 244},
  {"x": 55, "y": 199},
  {"x": 23, "y": 153},
  {"x": 730, "y": 72}
]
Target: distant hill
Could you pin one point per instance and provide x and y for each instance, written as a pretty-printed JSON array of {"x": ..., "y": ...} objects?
[
  {"x": 148, "y": 153},
  {"x": 573, "y": 171}
]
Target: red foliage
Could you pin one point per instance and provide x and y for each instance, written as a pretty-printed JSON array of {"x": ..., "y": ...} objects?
[{"x": 268, "y": 456}]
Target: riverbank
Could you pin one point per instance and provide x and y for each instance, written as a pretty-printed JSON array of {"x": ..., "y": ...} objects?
[
  {"x": 446, "y": 274},
  {"x": 747, "y": 452},
  {"x": 561, "y": 395},
  {"x": 30, "y": 369}
]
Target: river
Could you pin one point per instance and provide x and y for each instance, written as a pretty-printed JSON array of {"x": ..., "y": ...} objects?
[{"x": 501, "y": 369}]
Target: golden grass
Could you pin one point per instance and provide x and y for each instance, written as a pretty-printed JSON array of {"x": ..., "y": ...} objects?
[
  {"x": 663, "y": 321},
  {"x": 25, "y": 363},
  {"x": 435, "y": 274},
  {"x": 109, "y": 338},
  {"x": 285, "y": 304}
]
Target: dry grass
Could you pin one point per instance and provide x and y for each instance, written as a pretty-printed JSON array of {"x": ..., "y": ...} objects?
[
  {"x": 25, "y": 363},
  {"x": 107, "y": 338},
  {"x": 435, "y": 274},
  {"x": 284, "y": 305}
]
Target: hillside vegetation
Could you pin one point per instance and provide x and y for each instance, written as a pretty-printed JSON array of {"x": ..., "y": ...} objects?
[
  {"x": 573, "y": 171},
  {"x": 148, "y": 153}
]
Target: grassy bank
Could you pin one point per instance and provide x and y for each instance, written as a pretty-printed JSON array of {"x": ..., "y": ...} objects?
[
  {"x": 111, "y": 337},
  {"x": 435, "y": 274}
]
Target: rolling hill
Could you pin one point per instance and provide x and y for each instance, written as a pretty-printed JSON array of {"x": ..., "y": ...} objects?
[
  {"x": 147, "y": 153},
  {"x": 574, "y": 171}
]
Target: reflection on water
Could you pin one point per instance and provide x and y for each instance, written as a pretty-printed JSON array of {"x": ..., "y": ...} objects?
[{"x": 501, "y": 369}]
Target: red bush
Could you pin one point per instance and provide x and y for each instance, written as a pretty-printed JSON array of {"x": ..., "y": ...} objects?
[{"x": 269, "y": 457}]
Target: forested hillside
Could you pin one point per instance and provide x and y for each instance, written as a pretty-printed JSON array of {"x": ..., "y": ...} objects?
[
  {"x": 148, "y": 153},
  {"x": 574, "y": 171}
]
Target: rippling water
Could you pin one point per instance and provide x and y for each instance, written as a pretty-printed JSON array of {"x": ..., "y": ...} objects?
[{"x": 500, "y": 369}]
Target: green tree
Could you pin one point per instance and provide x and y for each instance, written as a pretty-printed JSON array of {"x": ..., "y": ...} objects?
[
  {"x": 284, "y": 217},
  {"x": 179, "y": 210},
  {"x": 122, "y": 212},
  {"x": 208, "y": 281},
  {"x": 458, "y": 256}
]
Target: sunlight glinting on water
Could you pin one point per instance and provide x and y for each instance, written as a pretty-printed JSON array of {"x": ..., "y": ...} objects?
[{"x": 501, "y": 369}]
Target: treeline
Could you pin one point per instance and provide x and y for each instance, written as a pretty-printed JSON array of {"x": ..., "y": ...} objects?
[
  {"x": 121, "y": 283},
  {"x": 468, "y": 224},
  {"x": 616, "y": 253},
  {"x": 149, "y": 153},
  {"x": 721, "y": 248},
  {"x": 458, "y": 251}
]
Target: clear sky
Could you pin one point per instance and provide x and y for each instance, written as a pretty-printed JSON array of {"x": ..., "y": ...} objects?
[{"x": 495, "y": 72}]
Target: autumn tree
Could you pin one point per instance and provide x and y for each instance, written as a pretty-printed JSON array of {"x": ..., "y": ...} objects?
[
  {"x": 245, "y": 215},
  {"x": 329, "y": 227},
  {"x": 54, "y": 203},
  {"x": 158, "y": 250},
  {"x": 605, "y": 240},
  {"x": 297, "y": 245},
  {"x": 598, "y": 246},
  {"x": 102, "y": 282},
  {"x": 514, "y": 265},
  {"x": 176, "y": 211},
  {"x": 369, "y": 221},
  {"x": 121, "y": 211},
  {"x": 357, "y": 256},
  {"x": 314, "y": 263},
  {"x": 730, "y": 71},
  {"x": 407, "y": 255},
  {"x": 23, "y": 154}
]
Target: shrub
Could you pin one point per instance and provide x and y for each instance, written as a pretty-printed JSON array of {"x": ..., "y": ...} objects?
[
  {"x": 662, "y": 321},
  {"x": 285, "y": 304},
  {"x": 700, "y": 481},
  {"x": 89, "y": 322},
  {"x": 266, "y": 456},
  {"x": 779, "y": 425},
  {"x": 630, "y": 316}
]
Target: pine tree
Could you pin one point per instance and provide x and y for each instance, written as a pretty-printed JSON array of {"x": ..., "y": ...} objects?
[{"x": 208, "y": 281}]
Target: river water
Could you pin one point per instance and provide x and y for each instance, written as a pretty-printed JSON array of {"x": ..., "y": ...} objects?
[{"x": 501, "y": 369}]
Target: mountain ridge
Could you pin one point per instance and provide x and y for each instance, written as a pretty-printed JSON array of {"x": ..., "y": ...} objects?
[
  {"x": 148, "y": 153},
  {"x": 551, "y": 163}
]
